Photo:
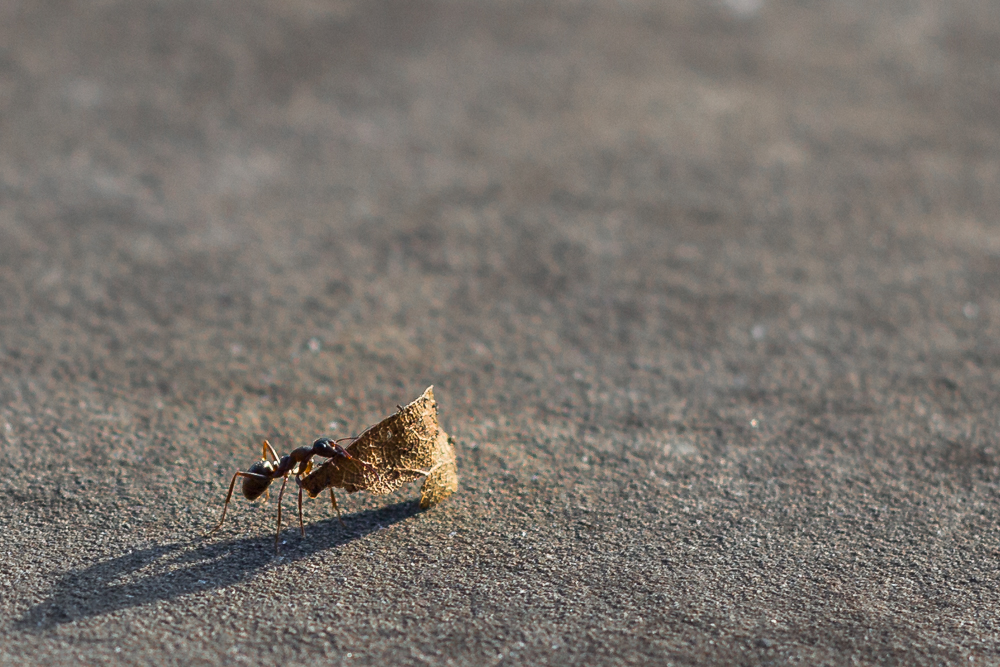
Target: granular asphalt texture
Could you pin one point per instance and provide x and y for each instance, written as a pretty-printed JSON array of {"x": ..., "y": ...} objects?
[{"x": 707, "y": 291}]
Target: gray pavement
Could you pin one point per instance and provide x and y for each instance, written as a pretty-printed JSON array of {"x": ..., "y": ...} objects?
[{"x": 707, "y": 291}]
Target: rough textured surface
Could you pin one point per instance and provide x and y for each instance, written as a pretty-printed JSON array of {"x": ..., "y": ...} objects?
[
  {"x": 707, "y": 291},
  {"x": 403, "y": 447}
]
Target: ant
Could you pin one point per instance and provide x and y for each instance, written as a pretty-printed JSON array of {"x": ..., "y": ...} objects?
[{"x": 298, "y": 462}]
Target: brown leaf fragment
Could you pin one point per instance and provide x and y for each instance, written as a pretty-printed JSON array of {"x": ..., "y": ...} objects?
[
  {"x": 442, "y": 480},
  {"x": 401, "y": 448}
]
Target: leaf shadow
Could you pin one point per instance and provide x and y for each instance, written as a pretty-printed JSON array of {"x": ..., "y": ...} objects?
[{"x": 169, "y": 571}]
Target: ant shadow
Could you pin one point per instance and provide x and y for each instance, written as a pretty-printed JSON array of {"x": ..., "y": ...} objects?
[{"x": 169, "y": 571}]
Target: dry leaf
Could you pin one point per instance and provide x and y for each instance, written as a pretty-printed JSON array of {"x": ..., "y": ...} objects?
[{"x": 401, "y": 448}]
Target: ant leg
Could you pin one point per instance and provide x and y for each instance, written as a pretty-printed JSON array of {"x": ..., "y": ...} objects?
[
  {"x": 333, "y": 501},
  {"x": 225, "y": 505},
  {"x": 229, "y": 496},
  {"x": 265, "y": 448},
  {"x": 302, "y": 526},
  {"x": 263, "y": 454},
  {"x": 298, "y": 480},
  {"x": 277, "y": 534},
  {"x": 305, "y": 471}
]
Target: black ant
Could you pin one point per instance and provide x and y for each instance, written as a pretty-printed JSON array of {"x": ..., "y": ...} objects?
[{"x": 298, "y": 462}]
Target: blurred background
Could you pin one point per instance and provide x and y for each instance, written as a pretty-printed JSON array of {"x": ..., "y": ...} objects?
[{"x": 707, "y": 291}]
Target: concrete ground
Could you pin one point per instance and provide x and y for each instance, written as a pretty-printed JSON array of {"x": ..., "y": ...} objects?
[{"x": 707, "y": 291}]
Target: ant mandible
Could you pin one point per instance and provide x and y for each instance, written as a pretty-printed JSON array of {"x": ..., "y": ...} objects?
[{"x": 298, "y": 462}]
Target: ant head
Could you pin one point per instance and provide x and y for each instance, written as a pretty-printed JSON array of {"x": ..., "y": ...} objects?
[
  {"x": 324, "y": 447},
  {"x": 254, "y": 487}
]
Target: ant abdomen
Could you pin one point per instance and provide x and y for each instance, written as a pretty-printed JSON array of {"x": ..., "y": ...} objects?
[{"x": 254, "y": 487}]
